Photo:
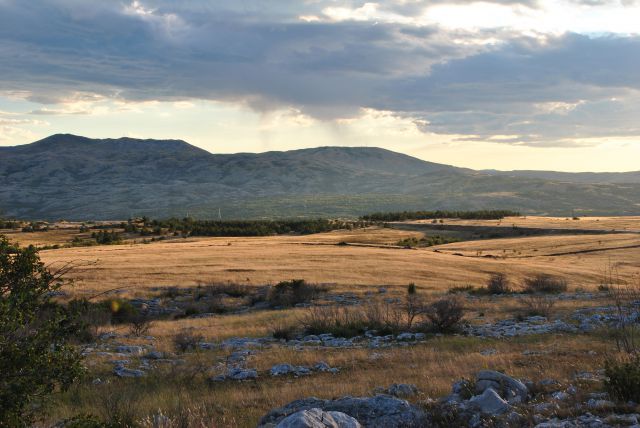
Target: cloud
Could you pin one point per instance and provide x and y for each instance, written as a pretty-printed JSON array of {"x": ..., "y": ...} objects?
[
  {"x": 480, "y": 83},
  {"x": 568, "y": 87}
]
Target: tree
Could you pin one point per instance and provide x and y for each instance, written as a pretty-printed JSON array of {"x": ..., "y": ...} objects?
[
  {"x": 36, "y": 358},
  {"x": 414, "y": 305}
]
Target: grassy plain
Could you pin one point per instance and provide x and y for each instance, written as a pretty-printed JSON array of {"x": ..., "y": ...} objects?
[
  {"x": 318, "y": 258},
  {"x": 357, "y": 261}
]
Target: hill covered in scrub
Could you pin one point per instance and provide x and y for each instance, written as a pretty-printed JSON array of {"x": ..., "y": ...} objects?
[{"x": 72, "y": 177}]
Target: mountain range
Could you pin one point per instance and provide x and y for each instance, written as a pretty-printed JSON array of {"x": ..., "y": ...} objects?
[{"x": 76, "y": 178}]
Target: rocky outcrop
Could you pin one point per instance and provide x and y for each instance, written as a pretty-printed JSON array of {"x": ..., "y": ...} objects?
[
  {"x": 513, "y": 390},
  {"x": 490, "y": 403},
  {"x": 381, "y": 411},
  {"x": 317, "y": 418}
]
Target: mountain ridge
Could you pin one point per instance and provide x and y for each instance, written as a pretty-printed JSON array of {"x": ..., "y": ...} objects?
[{"x": 74, "y": 177}]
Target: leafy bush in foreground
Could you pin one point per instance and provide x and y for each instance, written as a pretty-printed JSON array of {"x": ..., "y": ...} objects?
[{"x": 36, "y": 358}]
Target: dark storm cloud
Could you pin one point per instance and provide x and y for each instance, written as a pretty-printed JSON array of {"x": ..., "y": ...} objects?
[
  {"x": 569, "y": 87},
  {"x": 263, "y": 55}
]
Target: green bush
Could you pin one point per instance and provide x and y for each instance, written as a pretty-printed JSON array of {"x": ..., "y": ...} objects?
[
  {"x": 622, "y": 379},
  {"x": 427, "y": 241},
  {"x": 291, "y": 293},
  {"x": 105, "y": 237},
  {"x": 36, "y": 357}
]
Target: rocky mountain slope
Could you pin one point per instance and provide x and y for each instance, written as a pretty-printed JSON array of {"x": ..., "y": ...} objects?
[{"x": 72, "y": 177}]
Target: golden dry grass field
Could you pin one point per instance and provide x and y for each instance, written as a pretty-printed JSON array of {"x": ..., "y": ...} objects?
[
  {"x": 356, "y": 262},
  {"x": 318, "y": 258},
  {"x": 629, "y": 223}
]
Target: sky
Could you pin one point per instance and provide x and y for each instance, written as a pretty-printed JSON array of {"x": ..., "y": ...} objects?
[{"x": 502, "y": 84}]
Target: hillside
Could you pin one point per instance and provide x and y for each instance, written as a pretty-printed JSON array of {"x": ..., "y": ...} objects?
[
  {"x": 66, "y": 176},
  {"x": 575, "y": 177}
]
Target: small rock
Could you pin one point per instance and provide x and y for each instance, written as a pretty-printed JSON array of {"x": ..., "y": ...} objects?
[
  {"x": 130, "y": 349},
  {"x": 543, "y": 407},
  {"x": 600, "y": 404},
  {"x": 242, "y": 374},
  {"x": 402, "y": 390},
  {"x": 155, "y": 355},
  {"x": 490, "y": 403},
  {"x": 321, "y": 366},
  {"x": 285, "y": 369},
  {"x": 406, "y": 337},
  {"x": 501, "y": 382},
  {"x": 560, "y": 396},
  {"x": 125, "y": 372}
]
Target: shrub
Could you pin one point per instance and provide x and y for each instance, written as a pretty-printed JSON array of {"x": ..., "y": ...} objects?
[
  {"x": 105, "y": 237},
  {"x": 414, "y": 305},
  {"x": 284, "y": 331},
  {"x": 118, "y": 407},
  {"x": 384, "y": 317},
  {"x": 186, "y": 340},
  {"x": 90, "y": 317},
  {"x": 83, "y": 421},
  {"x": 544, "y": 283},
  {"x": 537, "y": 304},
  {"x": 462, "y": 289},
  {"x": 626, "y": 330},
  {"x": 171, "y": 292},
  {"x": 352, "y": 321},
  {"x": 498, "y": 283},
  {"x": 190, "y": 311},
  {"x": 36, "y": 357},
  {"x": 139, "y": 325},
  {"x": 445, "y": 315},
  {"x": 408, "y": 242},
  {"x": 339, "y": 321},
  {"x": 428, "y": 241},
  {"x": 217, "y": 306},
  {"x": 122, "y": 311},
  {"x": 230, "y": 289},
  {"x": 622, "y": 379},
  {"x": 291, "y": 293}
]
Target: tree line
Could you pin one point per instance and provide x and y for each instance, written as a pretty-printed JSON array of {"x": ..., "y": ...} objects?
[
  {"x": 9, "y": 224},
  {"x": 191, "y": 227},
  {"x": 433, "y": 215}
]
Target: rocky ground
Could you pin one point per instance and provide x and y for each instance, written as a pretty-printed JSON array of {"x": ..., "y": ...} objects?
[{"x": 492, "y": 399}]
